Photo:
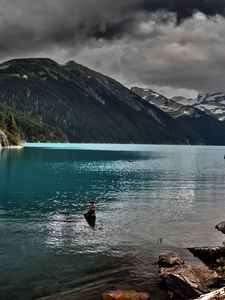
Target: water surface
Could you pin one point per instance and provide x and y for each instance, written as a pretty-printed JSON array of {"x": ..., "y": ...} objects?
[{"x": 144, "y": 194}]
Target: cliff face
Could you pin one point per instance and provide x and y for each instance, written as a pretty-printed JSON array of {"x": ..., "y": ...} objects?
[
  {"x": 87, "y": 106},
  {"x": 4, "y": 142}
]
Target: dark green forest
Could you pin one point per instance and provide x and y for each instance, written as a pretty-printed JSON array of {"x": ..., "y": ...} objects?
[{"x": 20, "y": 127}]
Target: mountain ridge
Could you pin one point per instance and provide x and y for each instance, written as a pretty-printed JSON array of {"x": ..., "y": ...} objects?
[
  {"x": 86, "y": 105},
  {"x": 212, "y": 104},
  {"x": 207, "y": 127}
]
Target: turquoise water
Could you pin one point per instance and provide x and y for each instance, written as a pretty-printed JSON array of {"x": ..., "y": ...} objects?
[{"x": 144, "y": 193}]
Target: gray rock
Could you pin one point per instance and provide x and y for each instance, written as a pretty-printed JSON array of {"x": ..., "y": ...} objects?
[
  {"x": 221, "y": 227},
  {"x": 170, "y": 259},
  {"x": 187, "y": 282}
]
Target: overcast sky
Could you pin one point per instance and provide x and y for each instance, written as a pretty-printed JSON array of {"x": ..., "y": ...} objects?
[{"x": 176, "y": 47}]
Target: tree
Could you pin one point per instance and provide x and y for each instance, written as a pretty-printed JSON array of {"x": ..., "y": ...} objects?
[{"x": 12, "y": 127}]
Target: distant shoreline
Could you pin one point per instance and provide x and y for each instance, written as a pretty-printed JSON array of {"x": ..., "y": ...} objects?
[{"x": 13, "y": 147}]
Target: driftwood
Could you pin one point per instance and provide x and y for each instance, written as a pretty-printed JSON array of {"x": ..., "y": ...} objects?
[{"x": 215, "y": 295}]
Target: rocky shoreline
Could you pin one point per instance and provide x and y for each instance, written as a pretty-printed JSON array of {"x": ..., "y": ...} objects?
[
  {"x": 184, "y": 281},
  {"x": 178, "y": 279}
]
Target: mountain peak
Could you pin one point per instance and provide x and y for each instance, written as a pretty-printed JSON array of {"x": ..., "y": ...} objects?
[{"x": 71, "y": 63}]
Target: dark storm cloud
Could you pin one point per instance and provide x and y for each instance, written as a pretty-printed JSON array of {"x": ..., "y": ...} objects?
[
  {"x": 148, "y": 42},
  {"x": 184, "y": 8},
  {"x": 27, "y": 24}
]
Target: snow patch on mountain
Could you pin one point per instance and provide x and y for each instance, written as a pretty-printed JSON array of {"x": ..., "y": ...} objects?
[{"x": 213, "y": 104}]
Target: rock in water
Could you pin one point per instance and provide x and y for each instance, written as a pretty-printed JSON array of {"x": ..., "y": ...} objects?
[
  {"x": 125, "y": 295},
  {"x": 221, "y": 227},
  {"x": 208, "y": 255},
  {"x": 90, "y": 219},
  {"x": 170, "y": 259},
  {"x": 4, "y": 142}
]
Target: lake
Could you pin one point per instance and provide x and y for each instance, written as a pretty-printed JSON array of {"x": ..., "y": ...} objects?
[{"x": 150, "y": 198}]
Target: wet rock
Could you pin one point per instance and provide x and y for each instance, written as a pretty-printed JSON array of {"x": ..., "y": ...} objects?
[
  {"x": 221, "y": 227},
  {"x": 125, "y": 295},
  {"x": 187, "y": 282},
  {"x": 208, "y": 255},
  {"x": 170, "y": 259},
  {"x": 215, "y": 283}
]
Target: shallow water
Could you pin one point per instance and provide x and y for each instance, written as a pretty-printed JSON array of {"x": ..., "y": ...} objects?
[{"x": 144, "y": 194}]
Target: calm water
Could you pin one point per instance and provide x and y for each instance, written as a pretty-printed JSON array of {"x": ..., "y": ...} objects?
[{"x": 176, "y": 193}]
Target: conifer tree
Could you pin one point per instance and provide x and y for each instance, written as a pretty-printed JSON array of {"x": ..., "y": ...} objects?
[{"x": 12, "y": 127}]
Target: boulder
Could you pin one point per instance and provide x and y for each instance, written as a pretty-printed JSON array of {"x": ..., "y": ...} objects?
[
  {"x": 125, "y": 295},
  {"x": 4, "y": 142},
  {"x": 221, "y": 227},
  {"x": 187, "y": 282},
  {"x": 170, "y": 259}
]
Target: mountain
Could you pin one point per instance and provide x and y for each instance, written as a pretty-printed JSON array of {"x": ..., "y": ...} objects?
[
  {"x": 16, "y": 126},
  {"x": 213, "y": 104},
  {"x": 184, "y": 101},
  {"x": 156, "y": 99},
  {"x": 209, "y": 129},
  {"x": 87, "y": 106}
]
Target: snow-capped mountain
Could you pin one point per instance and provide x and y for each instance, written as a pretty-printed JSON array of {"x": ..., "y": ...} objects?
[
  {"x": 174, "y": 108},
  {"x": 184, "y": 101},
  {"x": 165, "y": 104},
  {"x": 204, "y": 126},
  {"x": 212, "y": 104}
]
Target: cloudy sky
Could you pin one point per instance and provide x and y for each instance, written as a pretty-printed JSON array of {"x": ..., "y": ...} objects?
[{"x": 176, "y": 47}]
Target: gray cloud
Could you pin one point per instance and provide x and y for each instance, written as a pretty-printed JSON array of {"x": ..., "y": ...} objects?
[
  {"x": 185, "y": 59},
  {"x": 173, "y": 46}
]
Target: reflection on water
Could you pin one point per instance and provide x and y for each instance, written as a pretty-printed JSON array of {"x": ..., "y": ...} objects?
[{"x": 169, "y": 193}]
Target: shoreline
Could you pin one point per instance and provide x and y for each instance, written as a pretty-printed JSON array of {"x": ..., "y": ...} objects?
[
  {"x": 177, "y": 279},
  {"x": 18, "y": 147}
]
